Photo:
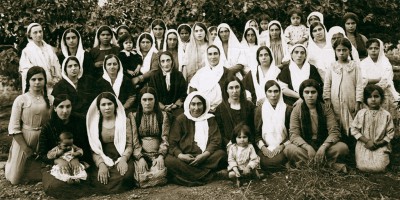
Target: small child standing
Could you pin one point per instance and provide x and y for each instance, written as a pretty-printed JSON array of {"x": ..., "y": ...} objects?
[
  {"x": 374, "y": 129},
  {"x": 242, "y": 157},
  {"x": 67, "y": 151},
  {"x": 296, "y": 33},
  {"x": 264, "y": 33},
  {"x": 130, "y": 59}
]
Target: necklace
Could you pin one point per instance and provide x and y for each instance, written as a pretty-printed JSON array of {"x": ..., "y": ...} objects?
[{"x": 37, "y": 97}]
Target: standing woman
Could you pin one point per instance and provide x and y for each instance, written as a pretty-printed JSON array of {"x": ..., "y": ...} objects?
[
  {"x": 79, "y": 88},
  {"x": 158, "y": 30},
  {"x": 71, "y": 45},
  {"x": 235, "y": 108},
  {"x": 195, "y": 144},
  {"x": 114, "y": 81},
  {"x": 275, "y": 41},
  {"x": 272, "y": 119},
  {"x": 146, "y": 48},
  {"x": 38, "y": 53},
  {"x": 110, "y": 138},
  {"x": 350, "y": 22},
  {"x": 213, "y": 33},
  {"x": 169, "y": 84},
  {"x": 104, "y": 44},
  {"x": 172, "y": 43},
  {"x": 29, "y": 113},
  {"x": 299, "y": 70},
  {"x": 195, "y": 50},
  {"x": 254, "y": 81},
  {"x": 150, "y": 128},
  {"x": 250, "y": 44},
  {"x": 121, "y": 30}
]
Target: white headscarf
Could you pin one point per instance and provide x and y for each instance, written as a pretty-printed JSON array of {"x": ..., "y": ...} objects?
[
  {"x": 206, "y": 81},
  {"x": 272, "y": 73},
  {"x": 381, "y": 69},
  {"x": 146, "y": 60},
  {"x": 337, "y": 29},
  {"x": 113, "y": 39},
  {"x": 250, "y": 50},
  {"x": 247, "y": 25},
  {"x": 92, "y": 126},
  {"x": 154, "y": 37},
  {"x": 299, "y": 75},
  {"x": 286, "y": 54},
  {"x": 273, "y": 127},
  {"x": 201, "y": 123},
  {"x": 180, "y": 48},
  {"x": 80, "y": 52},
  {"x": 317, "y": 14},
  {"x": 120, "y": 76},
  {"x": 65, "y": 75}
]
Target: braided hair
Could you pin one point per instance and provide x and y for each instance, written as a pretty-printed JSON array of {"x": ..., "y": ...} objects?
[{"x": 33, "y": 71}]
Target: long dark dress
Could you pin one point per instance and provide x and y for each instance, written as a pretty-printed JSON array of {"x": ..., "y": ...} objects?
[
  {"x": 88, "y": 63},
  {"x": 81, "y": 97},
  {"x": 227, "y": 118},
  {"x": 130, "y": 62},
  {"x": 126, "y": 92},
  {"x": 49, "y": 138},
  {"x": 181, "y": 140}
]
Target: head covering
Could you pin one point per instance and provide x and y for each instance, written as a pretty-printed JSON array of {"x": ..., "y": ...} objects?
[
  {"x": 155, "y": 39},
  {"x": 320, "y": 57},
  {"x": 146, "y": 60},
  {"x": 285, "y": 52},
  {"x": 179, "y": 47},
  {"x": 65, "y": 75},
  {"x": 118, "y": 81},
  {"x": 29, "y": 29},
  {"x": 247, "y": 25},
  {"x": 201, "y": 123},
  {"x": 80, "y": 52},
  {"x": 250, "y": 50},
  {"x": 92, "y": 126},
  {"x": 299, "y": 74},
  {"x": 317, "y": 14},
  {"x": 273, "y": 129},
  {"x": 234, "y": 47},
  {"x": 96, "y": 39},
  {"x": 337, "y": 29}
]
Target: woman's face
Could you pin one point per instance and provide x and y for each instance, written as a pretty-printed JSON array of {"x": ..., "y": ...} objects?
[
  {"x": 310, "y": 95},
  {"x": 264, "y": 58},
  {"x": 36, "y": 82},
  {"x": 105, "y": 37},
  {"x": 145, "y": 45},
  {"x": 313, "y": 19},
  {"x": 112, "y": 66},
  {"x": 107, "y": 108},
  {"x": 185, "y": 35},
  {"x": 233, "y": 90},
  {"x": 196, "y": 107},
  {"x": 63, "y": 110},
  {"x": 122, "y": 31},
  {"x": 318, "y": 33},
  {"x": 172, "y": 41},
  {"x": 213, "y": 35},
  {"x": 213, "y": 56},
  {"x": 36, "y": 33},
  {"x": 264, "y": 25},
  {"x": 253, "y": 24},
  {"x": 224, "y": 34},
  {"x": 273, "y": 94},
  {"x": 71, "y": 40},
  {"x": 251, "y": 37},
  {"x": 147, "y": 102},
  {"x": 350, "y": 25},
  {"x": 275, "y": 32},
  {"x": 166, "y": 62},
  {"x": 336, "y": 36},
  {"x": 299, "y": 55},
  {"x": 199, "y": 33},
  {"x": 373, "y": 51},
  {"x": 72, "y": 69},
  {"x": 158, "y": 32}
]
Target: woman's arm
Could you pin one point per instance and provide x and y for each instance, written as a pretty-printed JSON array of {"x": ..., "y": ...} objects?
[
  {"x": 137, "y": 147},
  {"x": 163, "y": 149},
  {"x": 214, "y": 136},
  {"x": 175, "y": 136}
]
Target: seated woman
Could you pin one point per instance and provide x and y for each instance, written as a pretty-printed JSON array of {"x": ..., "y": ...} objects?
[
  {"x": 79, "y": 88},
  {"x": 110, "y": 139},
  {"x": 116, "y": 82},
  {"x": 299, "y": 70},
  {"x": 254, "y": 81},
  {"x": 146, "y": 48},
  {"x": 314, "y": 132},
  {"x": 63, "y": 119},
  {"x": 272, "y": 120},
  {"x": 235, "y": 108},
  {"x": 150, "y": 128},
  {"x": 211, "y": 78},
  {"x": 169, "y": 84},
  {"x": 195, "y": 144}
]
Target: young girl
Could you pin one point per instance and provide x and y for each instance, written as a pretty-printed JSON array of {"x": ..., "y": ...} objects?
[
  {"x": 373, "y": 128},
  {"x": 343, "y": 87},
  {"x": 264, "y": 20},
  {"x": 242, "y": 157},
  {"x": 296, "y": 33},
  {"x": 67, "y": 151},
  {"x": 130, "y": 59}
]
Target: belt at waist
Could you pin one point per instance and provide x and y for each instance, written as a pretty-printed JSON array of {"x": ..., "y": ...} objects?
[{"x": 27, "y": 127}]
